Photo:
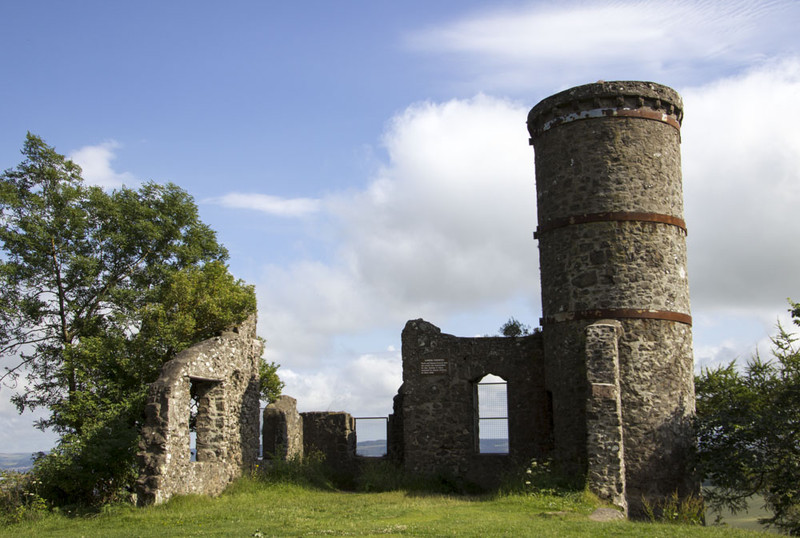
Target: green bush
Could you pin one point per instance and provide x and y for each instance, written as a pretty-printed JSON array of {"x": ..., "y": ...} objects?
[
  {"x": 541, "y": 477},
  {"x": 747, "y": 431}
]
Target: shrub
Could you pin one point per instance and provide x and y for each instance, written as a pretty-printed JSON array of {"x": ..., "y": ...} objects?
[{"x": 541, "y": 477}]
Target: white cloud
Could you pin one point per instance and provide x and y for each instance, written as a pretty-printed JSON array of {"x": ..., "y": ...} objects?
[
  {"x": 444, "y": 228},
  {"x": 273, "y": 205},
  {"x": 741, "y": 164},
  {"x": 568, "y": 43},
  {"x": 95, "y": 161},
  {"x": 362, "y": 386}
]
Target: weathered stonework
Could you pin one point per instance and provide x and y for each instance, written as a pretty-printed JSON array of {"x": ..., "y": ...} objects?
[
  {"x": 222, "y": 375},
  {"x": 437, "y": 403},
  {"x": 606, "y": 389},
  {"x": 333, "y": 434},
  {"x": 604, "y": 444},
  {"x": 612, "y": 245},
  {"x": 282, "y": 430}
]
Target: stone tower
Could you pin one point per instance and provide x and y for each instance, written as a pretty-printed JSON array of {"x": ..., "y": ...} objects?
[{"x": 615, "y": 295}]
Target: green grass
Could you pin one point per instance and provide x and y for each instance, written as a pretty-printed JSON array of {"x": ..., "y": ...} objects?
[
  {"x": 251, "y": 507},
  {"x": 747, "y": 519}
]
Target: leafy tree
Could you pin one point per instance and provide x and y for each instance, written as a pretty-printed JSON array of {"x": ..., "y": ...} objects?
[
  {"x": 97, "y": 290},
  {"x": 513, "y": 327},
  {"x": 271, "y": 384},
  {"x": 748, "y": 430}
]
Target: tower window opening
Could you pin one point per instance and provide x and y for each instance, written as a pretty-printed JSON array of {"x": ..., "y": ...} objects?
[{"x": 491, "y": 394}]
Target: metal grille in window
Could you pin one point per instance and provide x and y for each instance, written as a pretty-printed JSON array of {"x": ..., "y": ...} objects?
[
  {"x": 371, "y": 436},
  {"x": 492, "y": 400}
]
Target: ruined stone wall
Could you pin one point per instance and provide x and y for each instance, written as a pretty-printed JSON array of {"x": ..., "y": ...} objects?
[
  {"x": 612, "y": 245},
  {"x": 282, "y": 430},
  {"x": 222, "y": 373},
  {"x": 438, "y": 407},
  {"x": 395, "y": 443},
  {"x": 333, "y": 434}
]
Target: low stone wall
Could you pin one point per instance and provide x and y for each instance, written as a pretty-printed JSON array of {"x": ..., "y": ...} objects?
[
  {"x": 334, "y": 435},
  {"x": 221, "y": 374}
]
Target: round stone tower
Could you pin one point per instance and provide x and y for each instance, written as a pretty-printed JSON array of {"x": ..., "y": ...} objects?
[{"x": 612, "y": 244}]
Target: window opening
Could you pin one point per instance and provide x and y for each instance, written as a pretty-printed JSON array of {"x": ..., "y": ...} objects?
[
  {"x": 193, "y": 406},
  {"x": 371, "y": 436},
  {"x": 492, "y": 400},
  {"x": 205, "y": 419}
]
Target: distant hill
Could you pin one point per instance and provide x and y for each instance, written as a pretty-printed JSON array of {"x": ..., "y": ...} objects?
[
  {"x": 376, "y": 449},
  {"x": 494, "y": 446},
  {"x": 371, "y": 449},
  {"x": 23, "y": 461},
  {"x": 16, "y": 461}
]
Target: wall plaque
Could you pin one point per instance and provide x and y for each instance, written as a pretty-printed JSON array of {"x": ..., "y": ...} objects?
[{"x": 436, "y": 366}]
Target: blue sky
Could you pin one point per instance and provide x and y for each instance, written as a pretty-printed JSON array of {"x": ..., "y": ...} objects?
[{"x": 367, "y": 163}]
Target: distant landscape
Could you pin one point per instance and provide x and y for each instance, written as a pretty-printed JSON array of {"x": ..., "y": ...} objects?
[
  {"x": 371, "y": 449},
  {"x": 23, "y": 461},
  {"x": 376, "y": 449},
  {"x": 16, "y": 461}
]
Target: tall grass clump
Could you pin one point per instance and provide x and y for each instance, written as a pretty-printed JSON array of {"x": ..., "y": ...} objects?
[
  {"x": 674, "y": 509},
  {"x": 19, "y": 498},
  {"x": 380, "y": 475},
  {"x": 310, "y": 471}
]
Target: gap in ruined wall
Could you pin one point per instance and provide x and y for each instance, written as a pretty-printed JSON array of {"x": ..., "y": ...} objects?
[{"x": 491, "y": 402}]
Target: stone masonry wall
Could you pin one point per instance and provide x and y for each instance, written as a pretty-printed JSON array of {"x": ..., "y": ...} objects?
[
  {"x": 333, "y": 434},
  {"x": 438, "y": 407},
  {"x": 605, "y": 447},
  {"x": 612, "y": 246},
  {"x": 282, "y": 430},
  {"x": 222, "y": 373}
]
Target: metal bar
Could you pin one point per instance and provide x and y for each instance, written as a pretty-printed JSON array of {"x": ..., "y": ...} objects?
[
  {"x": 612, "y": 216},
  {"x": 618, "y": 313},
  {"x": 642, "y": 113}
]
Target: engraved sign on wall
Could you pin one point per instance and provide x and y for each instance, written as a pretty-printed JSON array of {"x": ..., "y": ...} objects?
[{"x": 435, "y": 366}]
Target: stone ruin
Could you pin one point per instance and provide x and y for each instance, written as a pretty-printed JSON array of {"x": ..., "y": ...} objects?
[
  {"x": 435, "y": 412},
  {"x": 289, "y": 435},
  {"x": 604, "y": 389},
  {"x": 220, "y": 377}
]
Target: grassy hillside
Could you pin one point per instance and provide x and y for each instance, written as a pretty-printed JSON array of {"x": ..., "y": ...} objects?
[
  {"x": 16, "y": 461},
  {"x": 255, "y": 508}
]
